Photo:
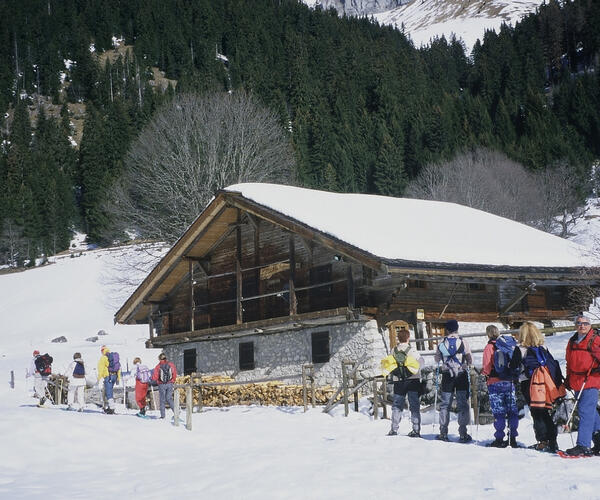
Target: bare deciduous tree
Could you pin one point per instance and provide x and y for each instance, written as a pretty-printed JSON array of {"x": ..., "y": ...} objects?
[
  {"x": 490, "y": 181},
  {"x": 194, "y": 146}
]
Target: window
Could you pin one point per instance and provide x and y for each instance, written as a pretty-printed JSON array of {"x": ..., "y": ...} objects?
[
  {"x": 246, "y": 351},
  {"x": 416, "y": 284},
  {"x": 189, "y": 361},
  {"x": 320, "y": 347},
  {"x": 476, "y": 287}
]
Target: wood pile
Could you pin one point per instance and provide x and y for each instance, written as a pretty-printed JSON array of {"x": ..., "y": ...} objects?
[{"x": 262, "y": 393}]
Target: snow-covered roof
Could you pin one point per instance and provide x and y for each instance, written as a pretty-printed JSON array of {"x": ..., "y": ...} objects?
[{"x": 402, "y": 229}]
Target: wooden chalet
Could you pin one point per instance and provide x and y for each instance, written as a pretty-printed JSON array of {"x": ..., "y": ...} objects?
[{"x": 252, "y": 266}]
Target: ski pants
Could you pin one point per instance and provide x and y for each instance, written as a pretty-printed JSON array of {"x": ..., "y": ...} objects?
[
  {"x": 141, "y": 390},
  {"x": 544, "y": 427},
  {"x": 503, "y": 403},
  {"x": 450, "y": 384},
  {"x": 589, "y": 420},
  {"x": 165, "y": 392},
  {"x": 413, "y": 404},
  {"x": 109, "y": 383},
  {"x": 76, "y": 393},
  {"x": 39, "y": 385}
]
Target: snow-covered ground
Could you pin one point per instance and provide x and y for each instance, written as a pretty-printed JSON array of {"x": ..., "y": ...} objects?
[{"x": 235, "y": 453}]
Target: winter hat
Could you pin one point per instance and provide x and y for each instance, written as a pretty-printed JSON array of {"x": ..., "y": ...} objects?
[
  {"x": 77, "y": 355},
  {"x": 451, "y": 326},
  {"x": 36, "y": 352}
]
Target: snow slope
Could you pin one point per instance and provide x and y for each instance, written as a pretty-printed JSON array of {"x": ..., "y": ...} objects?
[
  {"x": 234, "y": 453},
  {"x": 467, "y": 19}
]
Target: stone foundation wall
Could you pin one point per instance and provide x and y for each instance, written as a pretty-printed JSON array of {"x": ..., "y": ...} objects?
[{"x": 283, "y": 354}]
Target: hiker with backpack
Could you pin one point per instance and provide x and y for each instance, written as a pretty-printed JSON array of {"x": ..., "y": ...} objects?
[
  {"x": 75, "y": 374},
  {"x": 143, "y": 376},
  {"x": 109, "y": 373},
  {"x": 583, "y": 377},
  {"x": 541, "y": 383},
  {"x": 501, "y": 367},
  {"x": 407, "y": 382},
  {"x": 454, "y": 354},
  {"x": 165, "y": 374},
  {"x": 40, "y": 369}
]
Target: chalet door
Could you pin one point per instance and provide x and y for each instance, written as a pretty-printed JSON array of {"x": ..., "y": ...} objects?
[
  {"x": 435, "y": 331},
  {"x": 393, "y": 328}
]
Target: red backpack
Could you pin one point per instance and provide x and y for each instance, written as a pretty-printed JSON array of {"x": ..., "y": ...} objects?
[{"x": 43, "y": 364}]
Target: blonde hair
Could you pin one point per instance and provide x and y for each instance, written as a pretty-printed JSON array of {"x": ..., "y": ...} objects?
[
  {"x": 492, "y": 332},
  {"x": 530, "y": 336}
]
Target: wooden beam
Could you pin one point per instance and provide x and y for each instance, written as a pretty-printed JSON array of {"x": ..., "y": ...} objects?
[
  {"x": 351, "y": 290},
  {"x": 238, "y": 272},
  {"x": 192, "y": 305},
  {"x": 292, "y": 278}
]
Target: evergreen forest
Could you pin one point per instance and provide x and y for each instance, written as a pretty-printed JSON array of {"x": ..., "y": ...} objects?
[{"x": 364, "y": 108}]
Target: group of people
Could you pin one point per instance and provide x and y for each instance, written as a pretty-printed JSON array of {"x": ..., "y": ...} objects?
[
  {"x": 506, "y": 363},
  {"x": 163, "y": 376}
]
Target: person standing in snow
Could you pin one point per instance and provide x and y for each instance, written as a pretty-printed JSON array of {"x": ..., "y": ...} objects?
[
  {"x": 75, "y": 373},
  {"x": 583, "y": 376},
  {"x": 533, "y": 354},
  {"x": 407, "y": 382},
  {"x": 454, "y": 354},
  {"x": 503, "y": 400},
  {"x": 142, "y": 378},
  {"x": 165, "y": 374},
  {"x": 40, "y": 369},
  {"x": 107, "y": 377}
]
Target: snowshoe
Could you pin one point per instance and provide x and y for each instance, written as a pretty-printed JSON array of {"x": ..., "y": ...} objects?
[
  {"x": 392, "y": 433},
  {"x": 442, "y": 437},
  {"x": 577, "y": 451},
  {"x": 414, "y": 434},
  {"x": 498, "y": 443}
]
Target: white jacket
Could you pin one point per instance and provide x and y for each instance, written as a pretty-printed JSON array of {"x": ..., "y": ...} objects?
[{"x": 69, "y": 373}]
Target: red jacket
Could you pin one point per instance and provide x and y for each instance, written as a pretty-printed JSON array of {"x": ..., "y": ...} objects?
[
  {"x": 488, "y": 363},
  {"x": 155, "y": 373},
  {"x": 581, "y": 357}
]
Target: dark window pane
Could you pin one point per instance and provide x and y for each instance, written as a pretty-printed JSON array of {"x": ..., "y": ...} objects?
[
  {"x": 189, "y": 361},
  {"x": 246, "y": 350},
  {"x": 320, "y": 347}
]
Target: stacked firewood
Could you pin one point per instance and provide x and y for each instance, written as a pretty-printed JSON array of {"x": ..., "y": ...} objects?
[{"x": 263, "y": 393}]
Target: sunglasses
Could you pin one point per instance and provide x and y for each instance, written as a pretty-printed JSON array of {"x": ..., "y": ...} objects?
[{"x": 581, "y": 323}]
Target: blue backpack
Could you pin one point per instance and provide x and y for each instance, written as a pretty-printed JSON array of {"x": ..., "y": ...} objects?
[
  {"x": 113, "y": 362},
  {"x": 539, "y": 356},
  {"x": 450, "y": 348},
  {"x": 79, "y": 370},
  {"x": 507, "y": 358}
]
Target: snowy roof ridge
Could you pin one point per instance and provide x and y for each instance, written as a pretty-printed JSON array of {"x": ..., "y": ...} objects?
[{"x": 410, "y": 230}]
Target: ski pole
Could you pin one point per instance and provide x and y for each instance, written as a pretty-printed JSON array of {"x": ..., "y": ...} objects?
[{"x": 437, "y": 369}]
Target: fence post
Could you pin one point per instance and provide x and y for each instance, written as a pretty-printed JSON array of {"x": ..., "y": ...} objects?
[
  {"x": 304, "y": 395},
  {"x": 313, "y": 396},
  {"x": 375, "y": 400},
  {"x": 474, "y": 396},
  {"x": 12, "y": 379},
  {"x": 354, "y": 384},
  {"x": 176, "y": 409},
  {"x": 57, "y": 392},
  {"x": 345, "y": 387},
  {"x": 189, "y": 406}
]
